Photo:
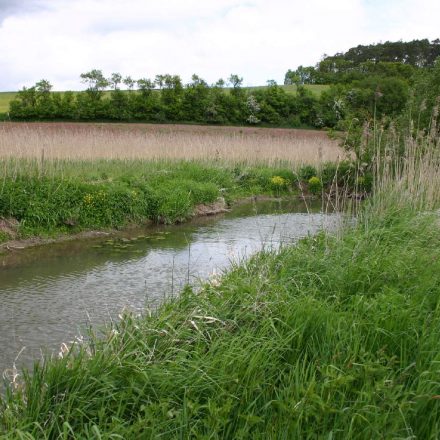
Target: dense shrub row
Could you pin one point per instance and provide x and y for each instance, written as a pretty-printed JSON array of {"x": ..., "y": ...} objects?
[
  {"x": 199, "y": 103},
  {"x": 374, "y": 82},
  {"x": 168, "y": 100},
  {"x": 343, "y": 105}
]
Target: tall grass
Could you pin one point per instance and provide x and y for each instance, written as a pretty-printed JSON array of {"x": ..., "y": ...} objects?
[
  {"x": 336, "y": 338},
  {"x": 175, "y": 142},
  {"x": 411, "y": 179}
]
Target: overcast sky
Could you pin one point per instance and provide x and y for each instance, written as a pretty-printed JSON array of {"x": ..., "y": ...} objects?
[{"x": 257, "y": 39}]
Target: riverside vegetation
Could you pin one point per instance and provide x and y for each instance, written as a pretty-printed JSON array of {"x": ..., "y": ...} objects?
[
  {"x": 69, "y": 196},
  {"x": 61, "y": 178},
  {"x": 337, "y": 337}
]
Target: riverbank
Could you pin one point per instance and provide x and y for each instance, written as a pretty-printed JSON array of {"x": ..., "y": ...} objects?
[
  {"x": 204, "y": 210},
  {"x": 329, "y": 337},
  {"x": 48, "y": 201},
  {"x": 215, "y": 208},
  {"x": 50, "y": 292},
  {"x": 67, "y": 197}
]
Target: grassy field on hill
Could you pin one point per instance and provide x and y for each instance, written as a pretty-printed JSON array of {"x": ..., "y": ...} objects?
[
  {"x": 316, "y": 89},
  {"x": 5, "y": 98}
]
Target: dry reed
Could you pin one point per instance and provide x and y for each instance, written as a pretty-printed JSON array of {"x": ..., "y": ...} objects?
[
  {"x": 143, "y": 141},
  {"x": 410, "y": 179}
]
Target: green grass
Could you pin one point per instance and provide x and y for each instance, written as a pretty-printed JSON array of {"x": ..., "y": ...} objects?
[
  {"x": 5, "y": 98},
  {"x": 69, "y": 196},
  {"x": 316, "y": 89}
]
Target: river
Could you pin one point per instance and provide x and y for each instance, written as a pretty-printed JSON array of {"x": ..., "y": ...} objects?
[{"x": 50, "y": 294}]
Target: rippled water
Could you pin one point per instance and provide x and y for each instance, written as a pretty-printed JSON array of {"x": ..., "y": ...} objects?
[{"x": 51, "y": 293}]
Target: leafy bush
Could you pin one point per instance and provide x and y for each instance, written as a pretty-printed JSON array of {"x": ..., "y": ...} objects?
[
  {"x": 306, "y": 172},
  {"x": 260, "y": 179},
  {"x": 315, "y": 185},
  {"x": 341, "y": 174},
  {"x": 278, "y": 182}
]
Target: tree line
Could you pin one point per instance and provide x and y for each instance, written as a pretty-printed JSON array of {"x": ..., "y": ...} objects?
[
  {"x": 167, "y": 99},
  {"x": 384, "y": 82},
  {"x": 397, "y": 59}
]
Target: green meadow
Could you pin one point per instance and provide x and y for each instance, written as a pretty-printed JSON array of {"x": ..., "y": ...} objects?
[{"x": 5, "y": 99}]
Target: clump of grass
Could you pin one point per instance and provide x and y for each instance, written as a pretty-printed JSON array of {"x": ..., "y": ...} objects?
[
  {"x": 4, "y": 236},
  {"x": 306, "y": 172}
]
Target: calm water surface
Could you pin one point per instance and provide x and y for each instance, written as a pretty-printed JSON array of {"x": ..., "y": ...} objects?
[{"x": 50, "y": 294}]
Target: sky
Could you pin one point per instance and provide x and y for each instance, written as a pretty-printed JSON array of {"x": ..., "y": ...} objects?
[{"x": 257, "y": 39}]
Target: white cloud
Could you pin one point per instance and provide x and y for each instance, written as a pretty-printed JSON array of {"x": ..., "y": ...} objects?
[{"x": 257, "y": 39}]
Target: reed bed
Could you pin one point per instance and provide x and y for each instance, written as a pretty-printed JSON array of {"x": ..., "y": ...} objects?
[
  {"x": 411, "y": 179},
  {"x": 173, "y": 142}
]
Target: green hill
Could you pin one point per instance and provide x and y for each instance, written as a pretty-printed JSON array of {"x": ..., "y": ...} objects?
[{"x": 5, "y": 98}]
